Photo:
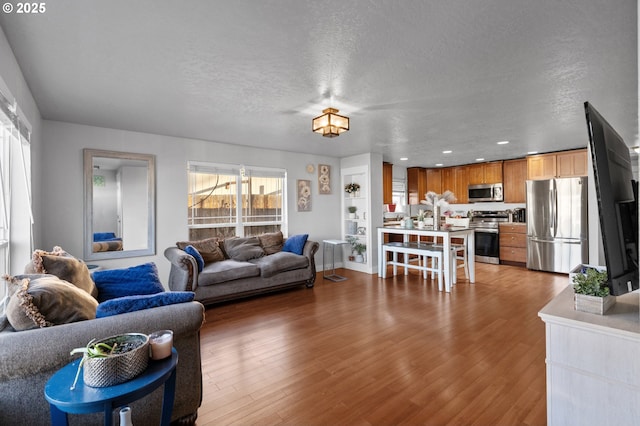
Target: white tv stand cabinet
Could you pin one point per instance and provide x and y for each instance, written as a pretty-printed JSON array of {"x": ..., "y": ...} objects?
[{"x": 593, "y": 363}]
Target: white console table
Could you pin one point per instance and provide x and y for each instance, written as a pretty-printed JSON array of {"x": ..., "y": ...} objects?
[{"x": 593, "y": 363}]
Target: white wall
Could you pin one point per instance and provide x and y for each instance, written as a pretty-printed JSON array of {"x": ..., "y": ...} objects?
[
  {"x": 12, "y": 81},
  {"x": 134, "y": 204},
  {"x": 105, "y": 203},
  {"x": 63, "y": 195}
]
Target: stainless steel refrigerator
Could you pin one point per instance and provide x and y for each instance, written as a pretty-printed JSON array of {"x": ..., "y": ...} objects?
[{"x": 557, "y": 228}]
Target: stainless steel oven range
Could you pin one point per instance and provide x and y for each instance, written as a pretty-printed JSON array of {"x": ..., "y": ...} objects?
[{"x": 487, "y": 237}]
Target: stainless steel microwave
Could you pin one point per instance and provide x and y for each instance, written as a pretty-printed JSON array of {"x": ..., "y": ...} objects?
[{"x": 485, "y": 192}]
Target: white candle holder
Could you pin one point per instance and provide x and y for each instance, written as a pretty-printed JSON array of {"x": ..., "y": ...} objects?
[{"x": 161, "y": 343}]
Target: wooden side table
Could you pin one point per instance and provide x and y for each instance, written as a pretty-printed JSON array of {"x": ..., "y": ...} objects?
[{"x": 85, "y": 399}]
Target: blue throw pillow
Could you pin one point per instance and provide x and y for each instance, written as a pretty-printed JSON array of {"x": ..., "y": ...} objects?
[
  {"x": 136, "y": 280},
  {"x": 196, "y": 254},
  {"x": 105, "y": 236},
  {"x": 122, "y": 305},
  {"x": 295, "y": 243}
]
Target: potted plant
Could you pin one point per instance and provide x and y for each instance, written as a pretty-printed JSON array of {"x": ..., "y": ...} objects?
[
  {"x": 591, "y": 291},
  {"x": 352, "y": 189},
  {"x": 420, "y": 218},
  {"x": 352, "y": 211},
  {"x": 356, "y": 247},
  {"x": 113, "y": 360},
  {"x": 360, "y": 248}
]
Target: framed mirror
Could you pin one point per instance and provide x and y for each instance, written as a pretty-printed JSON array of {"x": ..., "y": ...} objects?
[{"x": 119, "y": 204}]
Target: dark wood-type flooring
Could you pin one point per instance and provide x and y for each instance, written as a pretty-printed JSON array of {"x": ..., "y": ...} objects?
[{"x": 368, "y": 351}]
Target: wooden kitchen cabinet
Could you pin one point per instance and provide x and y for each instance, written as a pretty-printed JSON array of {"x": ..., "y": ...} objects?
[
  {"x": 387, "y": 183},
  {"x": 513, "y": 243},
  {"x": 462, "y": 184},
  {"x": 572, "y": 163},
  {"x": 559, "y": 164},
  {"x": 456, "y": 180},
  {"x": 448, "y": 180},
  {"x": 416, "y": 184},
  {"x": 485, "y": 173},
  {"x": 541, "y": 166},
  {"x": 434, "y": 180},
  {"x": 515, "y": 177}
]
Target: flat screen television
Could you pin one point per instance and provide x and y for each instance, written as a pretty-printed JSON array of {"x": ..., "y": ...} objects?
[{"x": 617, "y": 194}]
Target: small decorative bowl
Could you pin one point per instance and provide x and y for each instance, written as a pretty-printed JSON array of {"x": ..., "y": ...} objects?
[{"x": 119, "y": 367}]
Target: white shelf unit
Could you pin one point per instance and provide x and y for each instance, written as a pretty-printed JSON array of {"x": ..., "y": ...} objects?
[{"x": 360, "y": 227}]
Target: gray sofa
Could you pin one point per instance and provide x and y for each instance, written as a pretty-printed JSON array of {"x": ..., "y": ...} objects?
[
  {"x": 29, "y": 358},
  {"x": 231, "y": 279}
]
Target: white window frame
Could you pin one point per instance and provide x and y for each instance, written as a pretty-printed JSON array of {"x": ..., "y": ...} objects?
[
  {"x": 240, "y": 172},
  {"x": 16, "y": 214}
]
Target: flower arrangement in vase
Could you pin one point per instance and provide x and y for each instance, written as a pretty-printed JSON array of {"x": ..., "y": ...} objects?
[
  {"x": 352, "y": 188},
  {"x": 439, "y": 202}
]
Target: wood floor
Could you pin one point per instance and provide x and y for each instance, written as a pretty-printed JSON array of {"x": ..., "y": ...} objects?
[{"x": 368, "y": 351}]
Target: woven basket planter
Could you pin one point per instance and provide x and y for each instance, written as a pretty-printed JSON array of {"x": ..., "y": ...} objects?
[{"x": 120, "y": 367}]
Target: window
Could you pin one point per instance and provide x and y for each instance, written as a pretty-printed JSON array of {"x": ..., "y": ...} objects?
[
  {"x": 233, "y": 200},
  {"x": 399, "y": 195},
  {"x": 16, "y": 217}
]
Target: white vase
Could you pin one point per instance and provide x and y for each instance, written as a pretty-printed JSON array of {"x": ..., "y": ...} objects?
[
  {"x": 436, "y": 216},
  {"x": 359, "y": 258},
  {"x": 125, "y": 416},
  {"x": 352, "y": 215}
]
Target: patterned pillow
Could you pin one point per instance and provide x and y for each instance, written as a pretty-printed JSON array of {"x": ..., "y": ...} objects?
[
  {"x": 271, "y": 242},
  {"x": 209, "y": 249},
  {"x": 46, "y": 300},
  {"x": 64, "y": 266}
]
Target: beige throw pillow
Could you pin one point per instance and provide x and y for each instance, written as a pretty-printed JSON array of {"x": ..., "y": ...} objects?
[
  {"x": 271, "y": 242},
  {"x": 46, "y": 300},
  {"x": 64, "y": 266},
  {"x": 209, "y": 248}
]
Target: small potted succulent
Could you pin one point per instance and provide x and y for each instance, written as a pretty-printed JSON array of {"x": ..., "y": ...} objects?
[
  {"x": 352, "y": 211},
  {"x": 113, "y": 360},
  {"x": 591, "y": 291}
]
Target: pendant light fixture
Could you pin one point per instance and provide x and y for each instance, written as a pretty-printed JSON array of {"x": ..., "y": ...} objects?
[{"x": 330, "y": 124}]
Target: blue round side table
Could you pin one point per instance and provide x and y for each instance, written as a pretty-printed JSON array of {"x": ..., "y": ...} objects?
[{"x": 85, "y": 399}]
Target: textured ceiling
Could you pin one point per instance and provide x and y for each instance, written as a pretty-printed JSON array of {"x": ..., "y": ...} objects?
[{"x": 416, "y": 77}]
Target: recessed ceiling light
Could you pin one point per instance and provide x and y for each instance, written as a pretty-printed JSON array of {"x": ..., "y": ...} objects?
[
  {"x": 439, "y": 165},
  {"x": 532, "y": 152},
  {"x": 404, "y": 158},
  {"x": 447, "y": 152},
  {"x": 479, "y": 159},
  {"x": 503, "y": 142}
]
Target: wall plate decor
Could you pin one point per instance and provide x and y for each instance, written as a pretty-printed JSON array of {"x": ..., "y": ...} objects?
[
  {"x": 324, "y": 179},
  {"x": 310, "y": 168},
  {"x": 304, "y": 195}
]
